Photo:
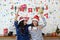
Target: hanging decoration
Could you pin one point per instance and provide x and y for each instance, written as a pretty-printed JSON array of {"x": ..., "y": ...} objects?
[
  {"x": 46, "y": 7},
  {"x": 46, "y": 15},
  {"x": 29, "y": 10},
  {"x": 37, "y": 8},
  {"x": 41, "y": 11},
  {"x": 23, "y": 7},
  {"x": 15, "y": 8}
]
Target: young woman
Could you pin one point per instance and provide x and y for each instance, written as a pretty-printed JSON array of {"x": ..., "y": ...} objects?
[
  {"x": 21, "y": 29},
  {"x": 35, "y": 29}
]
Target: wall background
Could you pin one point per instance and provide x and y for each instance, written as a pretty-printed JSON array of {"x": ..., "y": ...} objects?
[{"x": 51, "y": 9}]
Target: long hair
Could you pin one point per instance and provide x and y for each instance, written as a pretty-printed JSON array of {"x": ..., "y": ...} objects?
[
  {"x": 21, "y": 26},
  {"x": 32, "y": 25}
]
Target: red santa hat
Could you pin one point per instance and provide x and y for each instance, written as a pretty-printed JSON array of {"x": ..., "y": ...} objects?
[
  {"x": 36, "y": 18},
  {"x": 24, "y": 18}
]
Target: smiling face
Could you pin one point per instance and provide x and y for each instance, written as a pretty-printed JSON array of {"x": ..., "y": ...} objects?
[
  {"x": 25, "y": 22},
  {"x": 35, "y": 23}
]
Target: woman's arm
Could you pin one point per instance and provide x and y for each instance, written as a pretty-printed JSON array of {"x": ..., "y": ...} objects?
[
  {"x": 16, "y": 23},
  {"x": 43, "y": 19},
  {"x": 44, "y": 22},
  {"x": 15, "y": 19}
]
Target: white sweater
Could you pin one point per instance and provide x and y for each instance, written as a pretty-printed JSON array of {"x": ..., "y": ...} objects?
[{"x": 36, "y": 34}]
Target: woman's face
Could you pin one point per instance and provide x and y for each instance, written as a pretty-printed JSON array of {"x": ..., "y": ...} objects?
[
  {"x": 25, "y": 22},
  {"x": 35, "y": 23}
]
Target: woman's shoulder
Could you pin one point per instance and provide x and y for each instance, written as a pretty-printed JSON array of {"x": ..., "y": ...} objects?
[{"x": 29, "y": 27}]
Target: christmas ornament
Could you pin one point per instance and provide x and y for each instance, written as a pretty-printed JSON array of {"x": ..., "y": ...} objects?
[
  {"x": 46, "y": 15},
  {"x": 23, "y": 7},
  {"x": 37, "y": 9},
  {"x": 29, "y": 9},
  {"x": 40, "y": 11}
]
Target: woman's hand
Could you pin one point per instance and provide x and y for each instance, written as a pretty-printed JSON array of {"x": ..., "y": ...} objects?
[
  {"x": 16, "y": 15},
  {"x": 40, "y": 27}
]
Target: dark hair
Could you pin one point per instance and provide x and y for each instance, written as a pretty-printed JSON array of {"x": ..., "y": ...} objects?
[
  {"x": 32, "y": 25},
  {"x": 21, "y": 26}
]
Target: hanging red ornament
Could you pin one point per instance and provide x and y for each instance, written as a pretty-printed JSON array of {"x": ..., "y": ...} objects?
[
  {"x": 37, "y": 9},
  {"x": 29, "y": 9},
  {"x": 23, "y": 7},
  {"x": 46, "y": 15}
]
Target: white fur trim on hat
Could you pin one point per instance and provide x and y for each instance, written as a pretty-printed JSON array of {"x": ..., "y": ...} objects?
[
  {"x": 23, "y": 19},
  {"x": 35, "y": 19}
]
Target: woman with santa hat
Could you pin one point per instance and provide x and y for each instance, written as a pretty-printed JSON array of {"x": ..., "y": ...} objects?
[
  {"x": 35, "y": 29},
  {"x": 22, "y": 32}
]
